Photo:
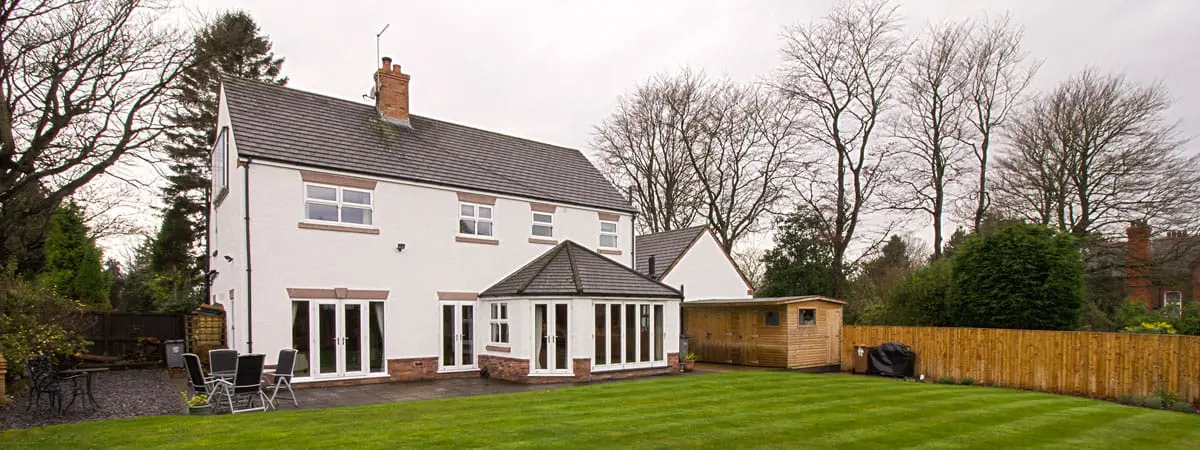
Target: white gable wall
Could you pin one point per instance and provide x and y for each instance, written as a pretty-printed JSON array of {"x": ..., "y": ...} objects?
[{"x": 704, "y": 272}]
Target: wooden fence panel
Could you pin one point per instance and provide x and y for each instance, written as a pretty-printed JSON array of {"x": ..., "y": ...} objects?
[
  {"x": 121, "y": 333},
  {"x": 1068, "y": 362}
]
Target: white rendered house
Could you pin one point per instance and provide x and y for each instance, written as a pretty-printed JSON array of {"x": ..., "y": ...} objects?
[
  {"x": 692, "y": 261},
  {"x": 365, "y": 237}
]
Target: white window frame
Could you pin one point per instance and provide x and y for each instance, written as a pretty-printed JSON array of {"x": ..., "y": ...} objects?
[
  {"x": 475, "y": 209},
  {"x": 1178, "y": 295},
  {"x": 339, "y": 203},
  {"x": 536, "y": 223},
  {"x": 220, "y": 166},
  {"x": 624, "y": 364},
  {"x": 615, "y": 233},
  {"x": 498, "y": 316}
]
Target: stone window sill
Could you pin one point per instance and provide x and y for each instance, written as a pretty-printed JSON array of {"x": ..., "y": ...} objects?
[
  {"x": 609, "y": 251},
  {"x": 498, "y": 348},
  {"x": 476, "y": 240},
  {"x": 335, "y": 227},
  {"x": 545, "y": 241}
]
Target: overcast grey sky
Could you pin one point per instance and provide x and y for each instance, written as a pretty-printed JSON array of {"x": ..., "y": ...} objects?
[{"x": 551, "y": 70}]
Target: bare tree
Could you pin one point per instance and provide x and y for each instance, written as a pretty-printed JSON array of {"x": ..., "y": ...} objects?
[
  {"x": 1109, "y": 155},
  {"x": 82, "y": 85},
  {"x": 743, "y": 158},
  {"x": 643, "y": 146},
  {"x": 750, "y": 260},
  {"x": 1033, "y": 183},
  {"x": 840, "y": 72},
  {"x": 999, "y": 76},
  {"x": 931, "y": 125}
]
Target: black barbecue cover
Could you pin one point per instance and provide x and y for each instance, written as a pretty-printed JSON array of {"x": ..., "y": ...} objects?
[{"x": 891, "y": 359}]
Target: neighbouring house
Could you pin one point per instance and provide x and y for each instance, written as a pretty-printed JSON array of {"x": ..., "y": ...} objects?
[
  {"x": 691, "y": 260},
  {"x": 793, "y": 332},
  {"x": 384, "y": 245},
  {"x": 1163, "y": 271}
]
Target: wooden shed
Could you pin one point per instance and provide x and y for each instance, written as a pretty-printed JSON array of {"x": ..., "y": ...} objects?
[{"x": 792, "y": 332}]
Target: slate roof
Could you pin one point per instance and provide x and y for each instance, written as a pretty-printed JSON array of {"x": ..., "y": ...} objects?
[
  {"x": 569, "y": 269},
  {"x": 666, "y": 247},
  {"x": 291, "y": 126}
]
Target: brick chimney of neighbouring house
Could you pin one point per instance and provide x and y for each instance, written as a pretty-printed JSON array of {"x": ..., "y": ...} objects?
[
  {"x": 391, "y": 93},
  {"x": 1137, "y": 264}
]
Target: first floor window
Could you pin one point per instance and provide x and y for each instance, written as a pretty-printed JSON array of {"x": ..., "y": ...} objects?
[
  {"x": 629, "y": 334},
  {"x": 337, "y": 204},
  {"x": 475, "y": 219},
  {"x": 499, "y": 323},
  {"x": 543, "y": 224},
  {"x": 608, "y": 234},
  {"x": 1173, "y": 299},
  {"x": 808, "y": 316}
]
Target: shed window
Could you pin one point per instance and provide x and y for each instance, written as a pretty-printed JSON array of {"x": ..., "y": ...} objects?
[
  {"x": 772, "y": 318},
  {"x": 808, "y": 316}
]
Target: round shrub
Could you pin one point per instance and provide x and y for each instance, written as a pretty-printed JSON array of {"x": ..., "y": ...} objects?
[
  {"x": 1183, "y": 407},
  {"x": 945, "y": 379},
  {"x": 967, "y": 381},
  {"x": 1152, "y": 403},
  {"x": 1021, "y": 276}
]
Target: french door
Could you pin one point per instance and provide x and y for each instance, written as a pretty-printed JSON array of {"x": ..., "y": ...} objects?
[
  {"x": 551, "y": 354},
  {"x": 348, "y": 340},
  {"x": 628, "y": 335},
  {"x": 458, "y": 336}
]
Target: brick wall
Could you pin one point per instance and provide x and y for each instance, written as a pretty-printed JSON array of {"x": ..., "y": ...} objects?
[{"x": 517, "y": 370}]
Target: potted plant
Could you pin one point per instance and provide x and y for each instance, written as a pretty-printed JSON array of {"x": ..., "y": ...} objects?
[
  {"x": 689, "y": 362},
  {"x": 197, "y": 405}
]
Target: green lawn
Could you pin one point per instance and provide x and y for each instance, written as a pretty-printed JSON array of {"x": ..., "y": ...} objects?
[{"x": 744, "y": 409}]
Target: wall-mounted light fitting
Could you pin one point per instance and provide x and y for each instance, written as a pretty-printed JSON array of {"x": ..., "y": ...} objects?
[
  {"x": 228, "y": 258},
  {"x": 400, "y": 247}
]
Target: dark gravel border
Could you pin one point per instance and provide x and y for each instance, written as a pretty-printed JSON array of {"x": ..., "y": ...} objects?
[{"x": 123, "y": 393}]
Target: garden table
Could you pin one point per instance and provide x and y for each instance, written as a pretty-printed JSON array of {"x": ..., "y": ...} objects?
[{"x": 86, "y": 389}]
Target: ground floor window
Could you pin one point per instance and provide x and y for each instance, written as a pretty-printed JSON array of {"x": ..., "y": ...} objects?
[{"x": 628, "y": 334}]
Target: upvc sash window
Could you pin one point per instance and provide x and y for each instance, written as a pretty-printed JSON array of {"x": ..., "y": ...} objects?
[
  {"x": 499, "y": 323},
  {"x": 328, "y": 203},
  {"x": 608, "y": 234},
  {"x": 220, "y": 166},
  {"x": 543, "y": 224},
  {"x": 475, "y": 219},
  {"x": 629, "y": 335}
]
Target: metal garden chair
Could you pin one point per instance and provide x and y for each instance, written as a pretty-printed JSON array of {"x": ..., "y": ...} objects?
[
  {"x": 246, "y": 385},
  {"x": 283, "y": 375}
]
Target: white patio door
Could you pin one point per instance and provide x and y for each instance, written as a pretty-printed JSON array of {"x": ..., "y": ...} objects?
[
  {"x": 551, "y": 331},
  {"x": 458, "y": 336},
  {"x": 342, "y": 343}
]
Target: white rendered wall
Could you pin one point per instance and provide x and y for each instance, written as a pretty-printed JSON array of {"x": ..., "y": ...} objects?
[
  {"x": 227, "y": 237},
  {"x": 705, "y": 272},
  {"x": 425, "y": 219}
]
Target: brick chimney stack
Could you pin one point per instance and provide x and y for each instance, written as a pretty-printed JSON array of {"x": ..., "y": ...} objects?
[
  {"x": 391, "y": 93},
  {"x": 1137, "y": 264}
]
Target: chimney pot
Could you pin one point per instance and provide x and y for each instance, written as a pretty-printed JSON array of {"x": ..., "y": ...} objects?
[
  {"x": 395, "y": 67},
  {"x": 387, "y": 62}
]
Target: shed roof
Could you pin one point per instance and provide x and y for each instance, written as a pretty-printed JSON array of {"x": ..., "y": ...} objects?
[
  {"x": 767, "y": 301},
  {"x": 292, "y": 126},
  {"x": 572, "y": 270}
]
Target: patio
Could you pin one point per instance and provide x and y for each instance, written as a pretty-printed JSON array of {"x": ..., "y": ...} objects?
[
  {"x": 120, "y": 394},
  {"x": 155, "y": 392}
]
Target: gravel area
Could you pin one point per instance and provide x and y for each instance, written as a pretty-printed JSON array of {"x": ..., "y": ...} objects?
[{"x": 123, "y": 393}]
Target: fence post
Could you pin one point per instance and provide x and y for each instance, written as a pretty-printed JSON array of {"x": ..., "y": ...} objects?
[{"x": 3, "y": 370}]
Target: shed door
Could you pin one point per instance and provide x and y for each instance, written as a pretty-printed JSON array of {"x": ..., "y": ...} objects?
[{"x": 833, "y": 328}]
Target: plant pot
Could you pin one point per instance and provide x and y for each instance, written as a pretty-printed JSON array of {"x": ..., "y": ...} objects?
[
  {"x": 688, "y": 366},
  {"x": 205, "y": 410}
]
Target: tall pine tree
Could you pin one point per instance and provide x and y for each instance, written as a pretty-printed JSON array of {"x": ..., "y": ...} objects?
[
  {"x": 73, "y": 263},
  {"x": 230, "y": 45}
]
